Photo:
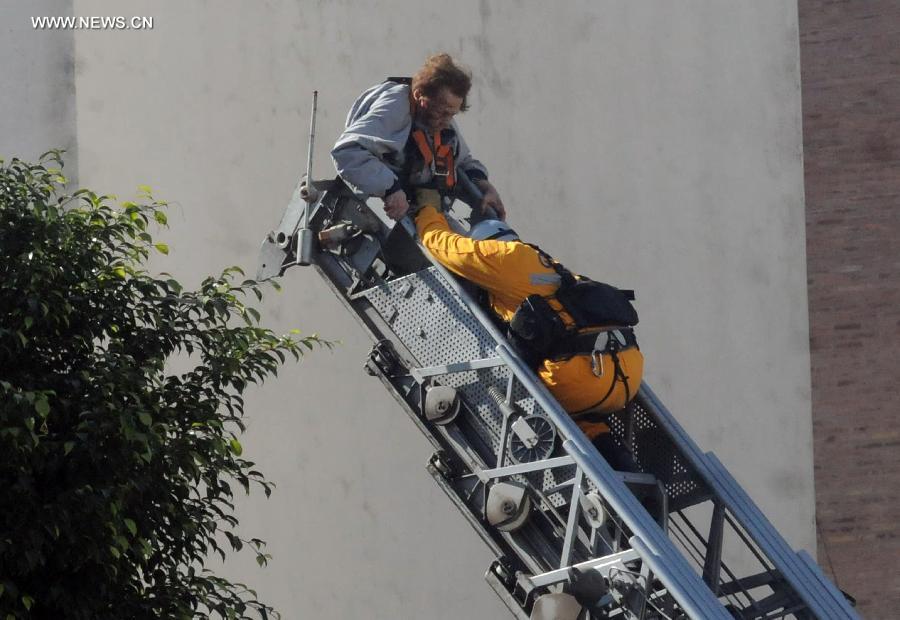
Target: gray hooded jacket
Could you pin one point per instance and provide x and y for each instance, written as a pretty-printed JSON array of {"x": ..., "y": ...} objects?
[{"x": 369, "y": 155}]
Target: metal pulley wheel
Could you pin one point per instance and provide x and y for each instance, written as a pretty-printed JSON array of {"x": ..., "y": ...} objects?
[
  {"x": 594, "y": 512},
  {"x": 442, "y": 404},
  {"x": 507, "y": 506},
  {"x": 533, "y": 438},
  {"x": 556, "y": 606}
]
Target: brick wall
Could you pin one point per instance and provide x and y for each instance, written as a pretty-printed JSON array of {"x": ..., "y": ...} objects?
[{"x": 850, "y": 65}]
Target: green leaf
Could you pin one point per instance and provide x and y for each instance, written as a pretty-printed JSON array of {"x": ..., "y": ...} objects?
[
  {"x": 145, "y": 418},
  {"x": 131, "y": 525},
  {"x": 160, "y": 217},
  {"x": 120, "y": 271},
  {"x": 27, "y": 601},
  {"x": 42, "y": 407},
  {"x": 236, "y": 446},
  {"x": 67, "y": 447},
  {"x": 162, "y": 248},
  {"x": 28, "y": 322}
]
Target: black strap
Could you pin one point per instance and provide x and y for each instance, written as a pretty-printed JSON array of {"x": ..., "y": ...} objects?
[
  {"x": 400, "y": 80},
  {"x": 618, "y": 375},
  {"x": 566, "y": 276},
  {"x": 498, "y": 234},
  {"x": 583, "y": 343}
]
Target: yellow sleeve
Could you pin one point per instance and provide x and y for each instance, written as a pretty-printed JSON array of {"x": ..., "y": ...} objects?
[{"x": 477, "y": 261}]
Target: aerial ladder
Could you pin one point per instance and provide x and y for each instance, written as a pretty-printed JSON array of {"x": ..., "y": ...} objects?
[{"x": 572, "y": 539}]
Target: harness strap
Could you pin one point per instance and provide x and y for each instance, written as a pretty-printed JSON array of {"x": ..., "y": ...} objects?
[
  {"x": 618, "y": 375},
  {"x": 439, "y": 157},
  {"x": 604, "y": 341},
  {"x": 443, "y": 161},
  {"x": 616, "y": 340},
  {"x": 424, "y": 148},
  {"x": 566, "y": 276}
]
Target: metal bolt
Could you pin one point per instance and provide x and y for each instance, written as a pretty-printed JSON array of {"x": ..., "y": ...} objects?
[{"x": 508, "y": 507}]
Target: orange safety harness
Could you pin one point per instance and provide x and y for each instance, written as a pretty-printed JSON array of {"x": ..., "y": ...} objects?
[{"x": 438, "y": 157}]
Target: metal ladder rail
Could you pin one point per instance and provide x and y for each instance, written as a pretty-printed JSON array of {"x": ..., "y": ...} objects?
[
  {"x": 673, "y": 570},
  {"x": 820, "y": 595}
]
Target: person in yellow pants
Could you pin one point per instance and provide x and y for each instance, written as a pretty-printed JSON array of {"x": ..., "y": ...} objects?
[{"x": 588, "y": 384}]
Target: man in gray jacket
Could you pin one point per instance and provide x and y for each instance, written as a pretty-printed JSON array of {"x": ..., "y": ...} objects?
[{"x": 400, "y": 134}]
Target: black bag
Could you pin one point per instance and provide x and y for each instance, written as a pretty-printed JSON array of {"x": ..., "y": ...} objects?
[{"x": 593, "y": 304}]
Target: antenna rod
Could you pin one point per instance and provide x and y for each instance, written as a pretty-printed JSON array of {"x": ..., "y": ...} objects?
[
  {"x": 312, "y": 136},
  {"x": 308, "y": 193}
]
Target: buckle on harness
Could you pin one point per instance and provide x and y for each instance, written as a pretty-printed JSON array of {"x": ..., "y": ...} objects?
[{"x": 608, "y": 341}]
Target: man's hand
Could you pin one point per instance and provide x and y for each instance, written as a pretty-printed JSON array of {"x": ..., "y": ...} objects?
[
  {"x": 491, "y": 198},
  {"x": 396, "y": 205}
]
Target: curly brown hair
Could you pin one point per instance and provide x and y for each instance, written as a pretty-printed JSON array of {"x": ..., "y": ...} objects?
[{"x": 440, "y": 71}]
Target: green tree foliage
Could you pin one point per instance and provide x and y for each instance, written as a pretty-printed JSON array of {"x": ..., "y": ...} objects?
[{"x": 116, "y": 474}]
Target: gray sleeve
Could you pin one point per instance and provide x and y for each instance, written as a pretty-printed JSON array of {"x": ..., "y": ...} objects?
[{"x": 381, "y": 130}]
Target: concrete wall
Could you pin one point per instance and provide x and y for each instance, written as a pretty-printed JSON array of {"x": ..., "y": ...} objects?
[
  {"x": 37, "y": 84},
  {"x": 656, "y": 146}
]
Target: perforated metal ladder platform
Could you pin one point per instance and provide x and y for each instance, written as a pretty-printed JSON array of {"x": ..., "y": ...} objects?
[{"x": 571, "y": 535}]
